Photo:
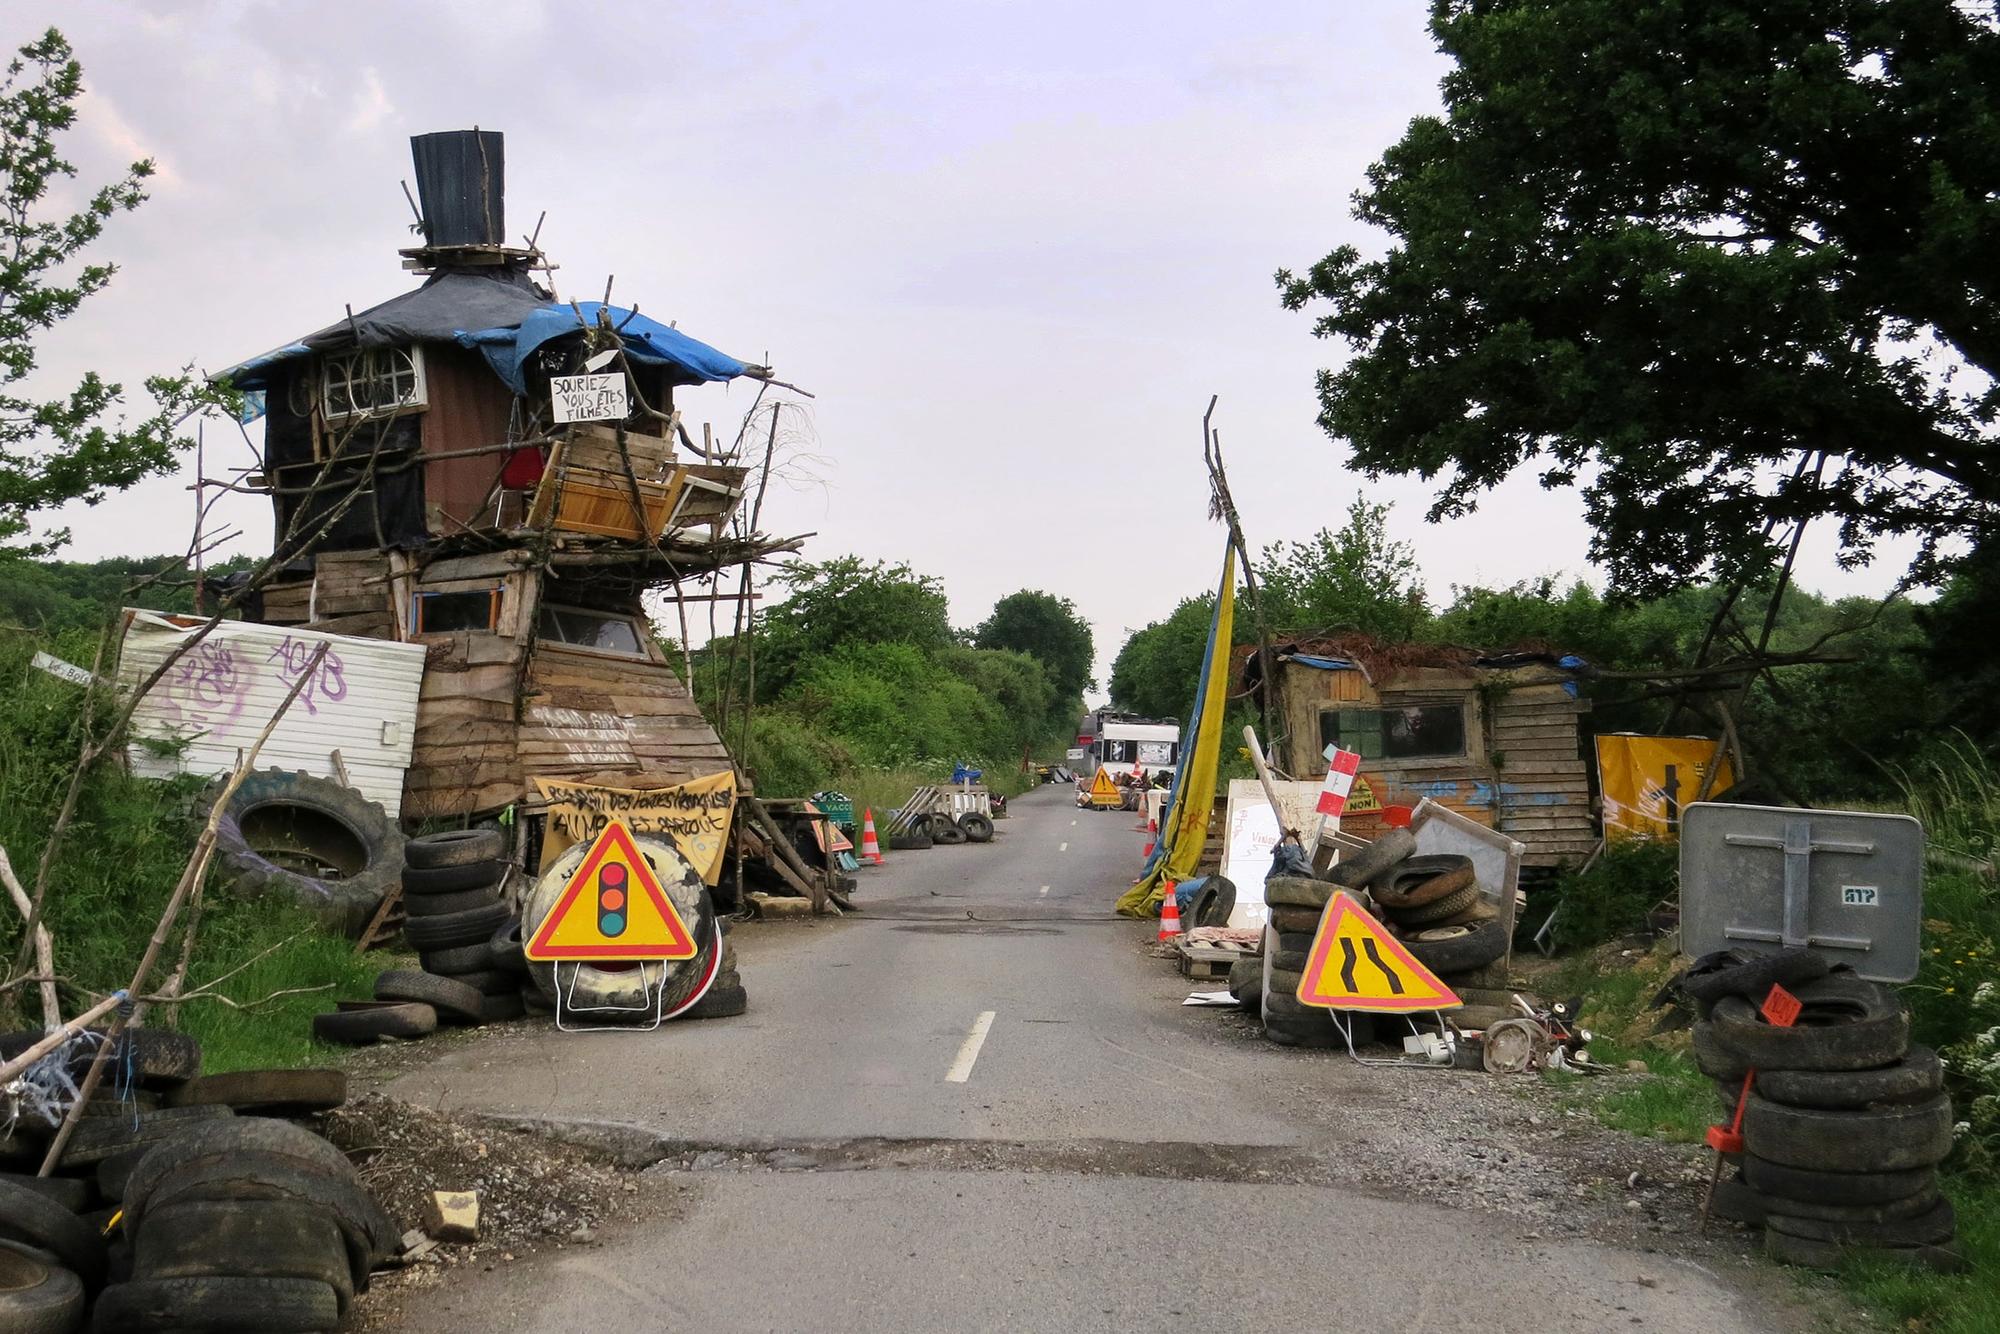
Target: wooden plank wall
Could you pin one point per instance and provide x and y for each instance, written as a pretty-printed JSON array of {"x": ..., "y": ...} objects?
[
  {"x": 1535, "y": 744},
  {"x": 612, "y": 720},
  {"x": 350, "y": 595}
]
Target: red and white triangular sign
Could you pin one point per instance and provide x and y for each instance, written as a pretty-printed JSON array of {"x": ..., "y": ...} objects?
[
  {"x": 612, "y": 909},
  {"x": 1356, "y": 964}
]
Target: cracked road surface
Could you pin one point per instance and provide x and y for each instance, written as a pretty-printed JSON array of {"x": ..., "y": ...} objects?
[{"x": 979, "y": 1105}]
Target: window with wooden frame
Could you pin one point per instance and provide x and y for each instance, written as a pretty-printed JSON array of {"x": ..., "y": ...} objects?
[
  {"x": 1422, "y": 730},
  {"x": 598, "y": 631},
  {"x": 444, "y": 610},
  {"x": 371, "y": 382}
]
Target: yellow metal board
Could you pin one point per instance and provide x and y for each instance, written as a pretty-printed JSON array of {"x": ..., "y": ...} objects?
[
  {"x": 612, "y": 909},
  {"x": 1104, "y": 791},
  {"x": 1356, "y": 964}
]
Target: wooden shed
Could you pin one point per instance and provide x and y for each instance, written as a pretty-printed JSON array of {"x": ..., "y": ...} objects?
[{"x": 1497, "y": 737}]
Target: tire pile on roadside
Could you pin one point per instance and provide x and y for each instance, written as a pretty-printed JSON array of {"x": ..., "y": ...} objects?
[
  {"x": 175, "y": 1207},
  {"x": 468, "y": 939},
  {"x": 1432, "y": 904},
  {"x": 1845, "y": 1122}
]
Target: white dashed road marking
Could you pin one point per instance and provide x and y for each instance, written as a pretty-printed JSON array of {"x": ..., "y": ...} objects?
[
  {"x": 968, "y": 1052},
  {"x": 1063, "y": 848}
]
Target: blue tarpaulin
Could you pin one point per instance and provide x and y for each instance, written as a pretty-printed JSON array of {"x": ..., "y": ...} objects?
[{"x": 646, "y": 341}]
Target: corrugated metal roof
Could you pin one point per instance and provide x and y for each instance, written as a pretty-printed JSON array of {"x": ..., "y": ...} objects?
[{"x": 362, "y": 701}]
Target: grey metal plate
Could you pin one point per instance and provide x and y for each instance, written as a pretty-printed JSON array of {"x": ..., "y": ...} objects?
[{"x": 1847, "y": 883}]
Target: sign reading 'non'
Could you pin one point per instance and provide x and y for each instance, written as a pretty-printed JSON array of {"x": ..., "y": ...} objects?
[{"x": 588, "y": 398}]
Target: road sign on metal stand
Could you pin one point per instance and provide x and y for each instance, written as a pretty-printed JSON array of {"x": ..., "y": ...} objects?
[
  {"x": 1104, "y": 790},
  {"x": 613, "y": 910},
  {"x": 1355, "y": 964},
  {"x": 1849, "y": 884}
]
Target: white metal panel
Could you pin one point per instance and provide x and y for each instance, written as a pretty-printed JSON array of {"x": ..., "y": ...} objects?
[{"x": 362, "y": 701}]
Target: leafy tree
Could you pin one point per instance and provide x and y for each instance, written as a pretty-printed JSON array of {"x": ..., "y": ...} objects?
[
  {"x": 1159, "y": 669},
  {"x": 1958, "y": 652},
  {"x": 65, "y": 447},
  {"x": 1357, "y": 578},
  {"x": 1047, "y": 629},
  {"x": 845, "y": 601},
  {"x": 1728, "y": 265}
]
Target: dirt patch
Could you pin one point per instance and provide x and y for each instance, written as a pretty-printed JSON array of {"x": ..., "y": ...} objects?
[{"x": 534, "y": 1193}]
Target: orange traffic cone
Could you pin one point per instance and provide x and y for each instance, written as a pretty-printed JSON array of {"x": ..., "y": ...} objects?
[
  {"x": 871, "y": 848},
  {"x": 1170, "y": 915}
]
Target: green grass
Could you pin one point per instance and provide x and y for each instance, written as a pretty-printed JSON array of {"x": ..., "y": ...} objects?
[
  {"x": 1926, "y": 1303},
  {"x": 1673, "y": 1102}
]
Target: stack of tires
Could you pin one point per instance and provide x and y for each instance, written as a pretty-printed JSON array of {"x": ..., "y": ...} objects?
[
  {"x": 1845, "y": 1122},
  {"x": 1296, "y": 904},
  {"x": 1433, "y": 905},
  {"x": 462, "y": 930},
  {"x": 63, "y": 1237},
  {"x": 244, "y": 1224}
]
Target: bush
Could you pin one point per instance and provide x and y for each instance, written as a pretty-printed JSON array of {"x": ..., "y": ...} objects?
[{"x": 1612, "y": 898}]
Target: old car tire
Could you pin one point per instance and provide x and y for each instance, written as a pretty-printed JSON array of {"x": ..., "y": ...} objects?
[
  {"x": 1738, "y": 973},
  {"x": 909, "y": 842},
  {"x": 244, "y": 1239},
  {"x": 1303, "y": 921},
  {"x": 976, "y": 827},
  {"x": 1316, "y": 1033},
  {"x": 454, "y": 847},
  {"x": 453, "y": 1000},
  {"x": 1936, "y": 1224},
  {"x": 1358, "y": 869},
  {"x": 1809, "y": 1253},
  {"x": 356, "y": 1023},
  {"x": 1881, "y": 1139},
  {"x": 1889, "y": 1211},
  {"x": 1713, "y": 1058},
  {"x": 243, "y": 1139},
  {"x": 720, "y": 1003},
  {"x": 628, "y": 988},
  {"x": 154, "y": 1058},
  {"x": 1476, "y": 947},
  {"x": 1219, "y": 902},
  {"x": 1847, "y": 1024},
  {"x": 107, "y": 1136},
  {"x": 1291, "y": 891},
  {"x": 490, "y": 981},
  {"x": 1460, "y": 900},
  {"x": 421, "y": 884},
  {"x": 1736, "y": 1202},
  {"x": 40, "y": 1221},
  {"x": 1918, "y": 1076},
  {"x": 370, "y": 1234},
  {"x": 507, "y": 948},
  {"x": 1417, "y": 882},
  {"x": 460, "y": 959},
  {"x": 946, "y": 832},
  {"x": 269, "y": 1093},
  {"x": 72, "y": 1193},
  {"x": 475, "y": 926},
  {"x": 1246, "y": 974},
  {"x": 302, "y": 820},
  {"x": 1826, "y": 1187},
  {"x": 36, "y": 1297},
  {"x": 440, "y": 905},
  {"x": 221, "y": 1305}
]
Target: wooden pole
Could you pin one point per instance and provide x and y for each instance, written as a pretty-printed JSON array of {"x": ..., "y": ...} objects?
[{"x": 45, "y": 949}]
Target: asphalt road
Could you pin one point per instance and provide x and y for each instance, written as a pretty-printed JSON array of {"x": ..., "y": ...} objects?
[{"x": 982, "y": 1107}]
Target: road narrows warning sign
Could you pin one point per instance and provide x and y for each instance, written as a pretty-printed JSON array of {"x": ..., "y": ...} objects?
[
  {"x": 612, "y": 910},
  {"x": 1355, "y": 964}
]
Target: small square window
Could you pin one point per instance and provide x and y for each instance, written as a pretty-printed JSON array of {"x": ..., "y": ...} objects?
[
  {"x": 606, "y": 632},
  {"x": 1400, "y": 732},
  {"x": 372, "y": 381},
  {"x": 463, "y": 609}
]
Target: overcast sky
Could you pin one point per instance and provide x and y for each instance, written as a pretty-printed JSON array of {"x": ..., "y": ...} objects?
[{"x": 1012, "y": 248}]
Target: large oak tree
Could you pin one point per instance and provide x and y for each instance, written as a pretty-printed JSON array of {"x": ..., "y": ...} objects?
[{"x": 1728, "y": 264}]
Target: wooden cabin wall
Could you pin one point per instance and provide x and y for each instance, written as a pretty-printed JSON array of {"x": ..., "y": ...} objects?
[
  {"x": 469, "y": 408},
  {"x": 468, "y": 713},
  {"x": 613, "y": 720},
  {"x": 1536, "y": 745}
]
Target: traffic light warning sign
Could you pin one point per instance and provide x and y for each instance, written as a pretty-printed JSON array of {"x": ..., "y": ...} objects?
[
  {"x": 612, "y": 909},
  {"x": 1356, "y": 965}
]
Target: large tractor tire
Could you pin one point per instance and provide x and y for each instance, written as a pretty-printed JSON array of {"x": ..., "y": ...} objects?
[{"x": 311, "y": 841}]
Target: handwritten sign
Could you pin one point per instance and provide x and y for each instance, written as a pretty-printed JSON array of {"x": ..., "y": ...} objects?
[
  {"x": 588, "y": 398},
  {"x": 694, "y": 817}
]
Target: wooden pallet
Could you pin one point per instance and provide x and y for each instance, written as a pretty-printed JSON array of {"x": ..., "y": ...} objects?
[
  {"x": 386, "y": 924},
  {"x": 1203, "y": 962}
]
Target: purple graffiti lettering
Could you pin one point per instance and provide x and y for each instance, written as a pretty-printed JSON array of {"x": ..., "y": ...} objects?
[{"x": 328, "y": 684}]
